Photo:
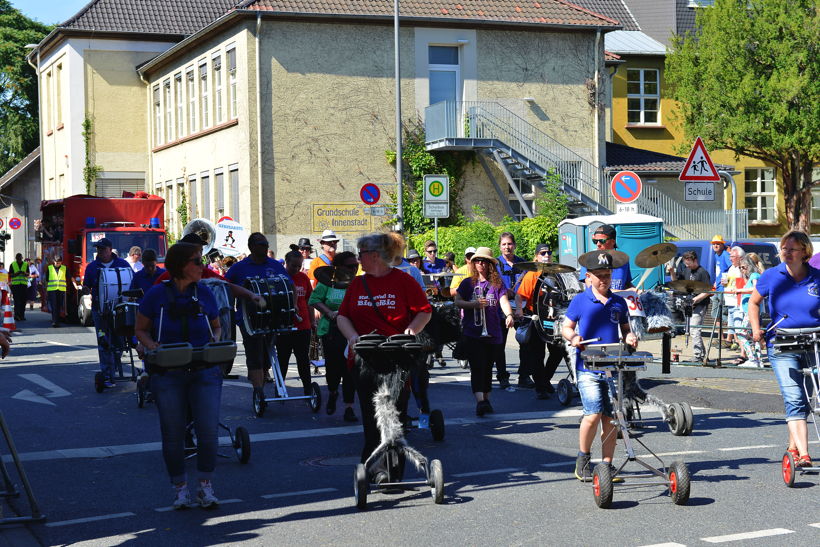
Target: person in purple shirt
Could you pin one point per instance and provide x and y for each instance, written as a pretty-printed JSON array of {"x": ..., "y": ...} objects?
[
  {"x": 814, "y": 262},
  {"x": 793, "y": 290},
  {"x": 480, "y": 296}
]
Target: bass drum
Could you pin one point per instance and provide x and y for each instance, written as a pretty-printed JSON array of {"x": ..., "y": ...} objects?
[
  {"x": 279, "y": 313},
  {"x": 551, "y": 298},
  {"x": 110, "y": 283}
]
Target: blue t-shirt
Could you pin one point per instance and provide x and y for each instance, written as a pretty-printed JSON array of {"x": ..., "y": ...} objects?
[
  {"x": 621, "y": 277},
  {"x": 412, "y": 271},
  {"x": 143, "y": 281},
  {"x": 91, "y": 278},
  {"x": 722, "y": 265},
  {"x": 433, "y": 267},
  {"x": 799, "y": 301},
  {"x": 246, "y": 268},
  {"x": 509, "y": 276},
  {"x": 157, "y": 298},
  {"x": 595, "y": 319}
]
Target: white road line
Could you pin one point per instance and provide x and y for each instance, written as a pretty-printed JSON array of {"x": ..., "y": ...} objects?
[
  {"x": 237, "y": 384},
  {"x": 559, "y": 464},
  {"x": 665, "y": 545},
  {"x": 816, "y": 525},
  {"x": 221, "y": 502},
  {"x": 732, "y": 448},
  {"x": 748, "y": 535},
  {"x": 300, "y": 493},
  {"x": 54, "y": 389},
  {"x": 89, "y": 519},
  {"x": 488, "y": 472}
]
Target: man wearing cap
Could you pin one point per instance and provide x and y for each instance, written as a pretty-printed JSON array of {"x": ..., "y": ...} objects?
[
  {"x": 722, "y": 264},
  {"x": 604, "y": 240},
  {"x": 328, "y": 241},
  {"x": 596, "y": 313},
  {"x": 106, "y": 258},
  {"x": 461, "y": 272}
]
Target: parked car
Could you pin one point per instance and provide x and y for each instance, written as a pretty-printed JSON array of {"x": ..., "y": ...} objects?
[{"x": 766, "y": 250}]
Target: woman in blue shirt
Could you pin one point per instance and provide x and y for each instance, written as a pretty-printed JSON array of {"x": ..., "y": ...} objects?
[
  {"x": 793, "y": 290},
  {"x": 184, "y": 310}
]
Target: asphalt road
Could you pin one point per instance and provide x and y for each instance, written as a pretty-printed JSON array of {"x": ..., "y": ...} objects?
[{"x": 95, "y": 466}]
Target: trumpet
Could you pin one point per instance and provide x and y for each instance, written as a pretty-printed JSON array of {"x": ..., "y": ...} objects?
[{"x": 480, "y": 319}]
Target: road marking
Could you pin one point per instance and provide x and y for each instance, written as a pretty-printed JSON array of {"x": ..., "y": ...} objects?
[
  {"x": 732, "y": 448},
  {"x": 54, "y": 389},
  {"x": 299, "y": 493},
  {"x": 30, "y": 396},
  {"x": 237, "y": 384},
  {"x": 748, "y": 535},
  {"x": 221, "y": 502},
  {"x": 488, "y": 472},
  {"x": 559, "y": 464},
  {"x": 816, "y": 525},
  {"x": 665, "y": 545},
  {"x": 89, "y": 519}
]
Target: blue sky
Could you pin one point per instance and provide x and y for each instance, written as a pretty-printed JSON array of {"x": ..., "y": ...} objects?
[{"x": 49, "y": 11}]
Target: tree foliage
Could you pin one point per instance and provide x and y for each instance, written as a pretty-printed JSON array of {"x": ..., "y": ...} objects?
[
  {"x": 748, "y": 81},
  {"x": 18, "y": 86}
]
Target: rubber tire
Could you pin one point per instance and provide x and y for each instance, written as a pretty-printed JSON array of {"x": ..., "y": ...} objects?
[
  {"x": 437, "y": 425},
  {"x": 315, "y": 402},
  {"x": 258, "y": 403},
  {"x": 689, "y": 417},
  {"x": 680, "y": 482},
  {"x": 99, "y": 383},
  {"x": 677, "y": 425},
  {"x": 787, "y": 469},
  {"x": 242, "y": 444},
  {"x": 565, "y": 392},
  {"x": 360, "y": 487},
  {"x": 602, "y": 485},
  {"x": 437, "y": 482}
]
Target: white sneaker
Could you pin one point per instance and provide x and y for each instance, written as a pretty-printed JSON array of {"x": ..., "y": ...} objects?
[
  {"x": 749, "y": 364},
  {"x": 205, "y": 496},
  {"x": 183, "y": 497}
]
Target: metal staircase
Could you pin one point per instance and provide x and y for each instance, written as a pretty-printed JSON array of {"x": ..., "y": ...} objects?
[{"x": 524, "y": 152}]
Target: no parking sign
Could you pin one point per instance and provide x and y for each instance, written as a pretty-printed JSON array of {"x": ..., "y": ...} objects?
[
  {"x": 15, "y": 223},
  {"x": 626, "y": 186}
]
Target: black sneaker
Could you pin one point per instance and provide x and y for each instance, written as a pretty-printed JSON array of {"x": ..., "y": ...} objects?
[
  {"x": 480, "y": 408},
  {"x": 488, "y": 408},
  {"x": 582, "y": 471},
  {"x": 349, "y": 415},
  {"x": 526, "y": 383},
  {"x": 331, "y": 402}
]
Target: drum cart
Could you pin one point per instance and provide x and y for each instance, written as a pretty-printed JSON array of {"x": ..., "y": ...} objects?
[
  {"x": 615, "y": 362},
  {"x": 276, "y": 317},
  {"x": 391, "y": 359},
  {"x": 806, "y": 340},
  {"x": 119, "y": 320}
]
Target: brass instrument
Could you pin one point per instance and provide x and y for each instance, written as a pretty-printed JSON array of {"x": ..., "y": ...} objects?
[{"x": 480, "y": 319}]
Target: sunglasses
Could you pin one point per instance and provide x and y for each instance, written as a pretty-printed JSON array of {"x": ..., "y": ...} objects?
[
  {"x": 600, "y": 241},
  {"x": 362, "y": 253},
  {"x": 544, "y": 253},
  {"x": 432, "y": 250}
]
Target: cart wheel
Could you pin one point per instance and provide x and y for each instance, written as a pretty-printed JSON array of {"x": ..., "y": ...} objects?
[
  {"x": 565, "y": 392},
  {"x": 360, "y": 487},
  {"x": 259, "y": 403},
  {"x": 679, "y": 481},
  {"x": 315, "y": 401},
  {"x": 676, "y": 419},
  {"x": 689, "y": 418},
  {"x": 99, "y": 383},
  {"x": 437, "y": 425},
  {"x": 437, "y": 481},
  {"x": 141, "y": 394},
  {"x": 242, "y": 444},
  {"x": 602, "y": 485},
  {"x": 788, "y": 469}
]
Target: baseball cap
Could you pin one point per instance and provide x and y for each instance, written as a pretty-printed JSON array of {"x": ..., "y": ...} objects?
[
  {"x": 469, "y": 251},
  {"x": 412, "y": 253},
  {"x": 603, "y": 260},
  {"x": 606, "y": 229},
  {"x": 104, "y": 242},
  {"x": 542, "y": 247}
]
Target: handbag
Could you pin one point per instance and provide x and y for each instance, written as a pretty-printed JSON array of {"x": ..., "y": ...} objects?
[{"x": 523, "y": 332}]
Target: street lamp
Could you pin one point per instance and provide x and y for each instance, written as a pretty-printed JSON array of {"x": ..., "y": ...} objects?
[{"x": 397, "y": 69}]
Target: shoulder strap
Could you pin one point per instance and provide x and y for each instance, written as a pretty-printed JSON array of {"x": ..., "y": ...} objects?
[{"x": 325, "y": 259}]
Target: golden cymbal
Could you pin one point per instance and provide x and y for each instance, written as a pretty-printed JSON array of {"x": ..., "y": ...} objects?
[
  {"x": 656, "y": 255},
  {"x": 337, "y": 278},
  {"x": 543, "y": 267},
  {"x": 684, "y": 285}
]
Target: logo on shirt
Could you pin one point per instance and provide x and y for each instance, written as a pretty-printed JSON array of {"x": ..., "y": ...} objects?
[
  {"x": 814, "y": 290},
  {"x": 300, "y": 291},
  {"x": 615, "y": 316},
  {"x": 382, "y": 300}
]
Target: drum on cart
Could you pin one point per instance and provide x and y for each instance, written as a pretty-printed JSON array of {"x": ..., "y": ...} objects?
[
  {"x": 553, "y": 293},
  {"x": 279, "y": 311},
  {"x": 445, "y": 323},
  {"x": 111, "y": 282},
  {"x": 125, "y": 318}
]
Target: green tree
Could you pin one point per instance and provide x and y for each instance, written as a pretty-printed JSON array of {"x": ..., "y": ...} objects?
[
  {"x": 748, "y": 81},
  {"x": 18, "y": 86}
]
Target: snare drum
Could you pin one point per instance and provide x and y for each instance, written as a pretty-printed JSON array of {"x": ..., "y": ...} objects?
[
  {"x": 552, "y": 296},
  {"x": 224, "y": 303},
  {"x": 279, "y": 312},
  {"x": 110, "y": 284},
  {"x": 796, "y": 340},
  {"x": 125, "y": 318}
]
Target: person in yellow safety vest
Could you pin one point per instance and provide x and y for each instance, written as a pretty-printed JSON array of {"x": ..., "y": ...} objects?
[
  {"x": 55, "y": 289},
  {"x": 19, "y": 286}
]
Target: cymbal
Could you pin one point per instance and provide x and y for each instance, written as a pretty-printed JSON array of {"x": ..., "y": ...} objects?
[
  {"x": 336, "y": 278},
  {"x": 543, "y": 267},
  {"x": 656, "y": 255},
  {"x": 683, "y": 285}
]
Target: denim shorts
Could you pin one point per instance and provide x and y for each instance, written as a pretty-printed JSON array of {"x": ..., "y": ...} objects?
[
  {"x": 597, "y": 392},
  {"x": 788, "y": 371}
]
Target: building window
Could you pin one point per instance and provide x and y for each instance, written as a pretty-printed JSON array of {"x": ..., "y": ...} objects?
[
  {"x": 193, "y": 202},
  {"x": 234, "y": 176},
  {"x": 58, "y": 94},
  {"x": 216, "y": 63},
  {"x": 170, "y": 203},
  {"x": 180, "y": 105},
  {"x": 191, "y": 92},
  {"x": 815, "y": 199},
  {"x": 169, "y": 110},
  {"x": 180, "y": 189},
  {"x": 49, "y": 100},
  {"x": 232, "y": 82},
  {"x": 157, "y": 117},
  {"x": 203, "y": 95},
  {"x": 219, "y": 192},
  {"x": 761, "y": 194},
  {"x": 206, "y": 195},
  {"x": 643, "y": 95},
  {"x": 444, "y": 73}
]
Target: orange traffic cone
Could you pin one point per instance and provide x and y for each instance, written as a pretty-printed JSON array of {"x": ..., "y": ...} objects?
[{"x": 8, "y": 316}]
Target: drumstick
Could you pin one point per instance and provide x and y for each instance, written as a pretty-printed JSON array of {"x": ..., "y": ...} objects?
[
  {"x": 646, "y": 273},
  {"x": 785, "y": 316},
  {"x": 590, "y": 341}
]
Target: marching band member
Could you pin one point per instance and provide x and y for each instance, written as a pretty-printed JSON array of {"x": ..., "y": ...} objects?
[
  {"x": 328, "y": 241},
  {"x": 298, "y": 341},
  {"x": 506, "y": 260},
  {"x": 597, "y": 313},
  {"x": 604, "y": 239},
  {"x": 793, "y": 290}
]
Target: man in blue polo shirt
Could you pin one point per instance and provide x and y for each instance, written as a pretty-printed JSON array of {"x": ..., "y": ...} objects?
[
  {"x": 604, "y": 240},
  {"x": 596, "y": 313},
  {"x": 148, "y": 275}
]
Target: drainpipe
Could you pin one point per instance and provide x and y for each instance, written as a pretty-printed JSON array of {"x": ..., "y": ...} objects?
[
  {"x": 259, "y": 127},
  {"x": 596, "y": 152},
  {"x": 150, "y": 175}
]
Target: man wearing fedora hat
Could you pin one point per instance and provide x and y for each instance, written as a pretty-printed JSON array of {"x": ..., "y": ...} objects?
[
  {"x": 328, "y": 241},
  {"x": 305, "y": 249},
  {"x": 596, "y": 313}
]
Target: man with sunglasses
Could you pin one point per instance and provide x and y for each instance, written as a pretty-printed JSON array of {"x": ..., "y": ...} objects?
[
  {"x": 604, "y": 240},
  {"x": 328, "y": 241}
]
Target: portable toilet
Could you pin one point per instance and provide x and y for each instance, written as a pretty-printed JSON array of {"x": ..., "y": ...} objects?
[{"x": 634, "y": 233}]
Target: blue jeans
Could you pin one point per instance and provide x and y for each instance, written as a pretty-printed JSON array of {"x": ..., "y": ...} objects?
[
  {"x": 788, "y": 371},
  {"x": 175, "y": 392},
  {"x": 597, "y": 392},
  {"x": 110, "y": 360}
]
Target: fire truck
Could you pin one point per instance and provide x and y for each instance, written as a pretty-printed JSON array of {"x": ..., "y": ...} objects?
[{"x": 71, "y": 226}]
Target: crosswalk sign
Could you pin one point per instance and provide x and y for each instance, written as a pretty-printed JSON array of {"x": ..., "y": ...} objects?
[{"x": 699, "y": 166}]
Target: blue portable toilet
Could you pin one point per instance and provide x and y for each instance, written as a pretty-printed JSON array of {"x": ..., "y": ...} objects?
[{"x": 634, "y": 233}]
